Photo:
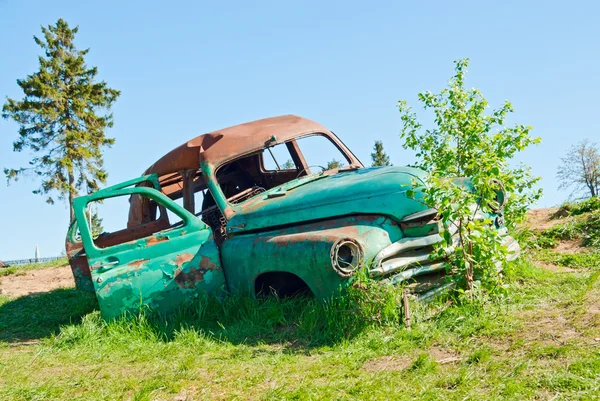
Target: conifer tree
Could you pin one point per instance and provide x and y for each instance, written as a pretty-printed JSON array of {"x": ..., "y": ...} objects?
[
  {"x": 334, "y": 164},
  {"x": 95, "y": 222},
  {"x": 379, "y": 157},
  {"x": 288, "y": 165},
  {"x": 62, "y": 118}
]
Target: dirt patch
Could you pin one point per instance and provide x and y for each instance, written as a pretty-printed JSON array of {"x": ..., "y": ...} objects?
[
  {"x": 400, "y": 362},
  {"x": 590, "y": 320},
  {"x": 556, "y": 327},
  {"x": 555, "y": 268},
  {"x": 545, "y": 218},
  {"x": 387, "y": 363},
  {"x": 568, "y": 246},
  {"x": 541, "y": 219},
  {"x": 443, "y": 355},
  {"x": 36, "y": 281}
]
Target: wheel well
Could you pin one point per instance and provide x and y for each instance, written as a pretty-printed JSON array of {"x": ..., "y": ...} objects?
[{"x": 281, "y": 284}]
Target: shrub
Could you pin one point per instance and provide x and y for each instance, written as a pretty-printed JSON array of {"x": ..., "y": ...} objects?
[{"x": 467, "y": 143}]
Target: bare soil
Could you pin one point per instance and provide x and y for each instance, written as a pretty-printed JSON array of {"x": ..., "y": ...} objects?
[
  {"x": 541, "y": 219},
  {"x": 392, "y": 363},
  {"x": 388, "y": 363},
  {"x": 36, "y": 281},
  {"x": 569, "y": 246}
]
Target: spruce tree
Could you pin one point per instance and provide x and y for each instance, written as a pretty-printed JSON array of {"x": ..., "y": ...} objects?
[
  {"x": 334, "y": 164},
  {"x": 62, "y": 118},
  {"x": 379, "y": 157},
  {"x": 288, "y": 165},
  {"x": 95, "y": 223}
]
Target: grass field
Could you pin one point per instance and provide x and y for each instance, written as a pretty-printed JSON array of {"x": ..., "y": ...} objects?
[
  {"x": 20, "y": 269},
  {"x": 541, "y": 342}
]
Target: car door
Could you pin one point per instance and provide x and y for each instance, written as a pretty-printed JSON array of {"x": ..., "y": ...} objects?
[{"x": 154, "y": 266}]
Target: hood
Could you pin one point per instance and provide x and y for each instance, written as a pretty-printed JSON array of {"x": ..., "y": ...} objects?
[{"x": 375, "y": 190}]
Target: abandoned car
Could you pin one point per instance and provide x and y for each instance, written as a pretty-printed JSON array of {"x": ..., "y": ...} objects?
[{"x": 253, "y": 208}]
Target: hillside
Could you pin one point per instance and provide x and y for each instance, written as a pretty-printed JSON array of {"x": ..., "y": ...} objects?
[{"x": 542, "y": 341}]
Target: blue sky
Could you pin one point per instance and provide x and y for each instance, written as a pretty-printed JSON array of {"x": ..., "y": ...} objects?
[{"x": 185, "y": 68}]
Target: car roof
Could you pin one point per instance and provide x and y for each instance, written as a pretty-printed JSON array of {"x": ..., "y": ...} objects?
[{"x": 227, "y": 143}]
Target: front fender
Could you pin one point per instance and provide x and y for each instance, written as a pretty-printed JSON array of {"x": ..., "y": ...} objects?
[{"x": 304, "y": 250}]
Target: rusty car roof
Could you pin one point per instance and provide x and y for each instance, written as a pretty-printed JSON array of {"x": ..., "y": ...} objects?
[{"x": 221, "y": 145}]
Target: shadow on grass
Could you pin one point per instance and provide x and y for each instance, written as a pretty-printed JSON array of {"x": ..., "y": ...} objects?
[
  {"x": 296, "y": 323},
  {"x": 39, "y": 315}
]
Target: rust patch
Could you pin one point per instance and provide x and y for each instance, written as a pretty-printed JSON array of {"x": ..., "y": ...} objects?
[
  {"x": 189, "y": 279},
  {"x": 215, "y": 148},
  {"x": 207, "y": 264},
  {"x": 154, "y": 240},
  {"x": 137, "y": 263},
  {"x": 73, "y": 248},
  {"x": 183, "y": 258},
  {"x": 81, "y": 272}
]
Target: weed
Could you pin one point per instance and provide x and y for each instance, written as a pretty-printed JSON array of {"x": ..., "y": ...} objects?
[
  {"x": 480, "y": 356},
  {"x": 582, "y": 207},
  {"x": 590, "y": 259}
]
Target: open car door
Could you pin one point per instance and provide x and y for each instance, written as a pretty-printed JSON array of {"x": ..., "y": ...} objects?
[{"x": 153, "y": 265}]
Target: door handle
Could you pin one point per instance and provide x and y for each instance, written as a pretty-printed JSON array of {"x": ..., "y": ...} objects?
[{"x": 99, "y": 265}]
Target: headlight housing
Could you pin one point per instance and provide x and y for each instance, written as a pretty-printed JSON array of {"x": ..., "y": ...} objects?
[
  {"x": 346, "y": 256},
  {"x": 500, "y": 199}
]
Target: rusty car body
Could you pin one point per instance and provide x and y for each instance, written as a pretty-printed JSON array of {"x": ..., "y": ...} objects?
[{"x": 247, "y": 227}]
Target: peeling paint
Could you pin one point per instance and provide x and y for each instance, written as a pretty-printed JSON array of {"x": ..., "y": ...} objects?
[
  {"x": 154, "y": 240},
  {"x": 184, "y": 258},
  {"x": 137, "y": 263},
  {"x": 313, "y": 226},
  {"x": 190, "y": 278}
]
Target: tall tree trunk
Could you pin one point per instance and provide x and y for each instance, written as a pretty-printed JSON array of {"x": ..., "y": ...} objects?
[{"x": 71, "y": 194}]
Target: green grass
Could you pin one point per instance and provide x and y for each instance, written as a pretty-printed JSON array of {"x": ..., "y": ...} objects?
[
  {"x": 541, "y": 341},
  {"x": 41, "y": 315},
  {"x": 577, "y": 208},
  {"x": 589, "y": 259},
  {"x": 582, "y": 227},
  {"x": 20, "y": 269},
  {"x": 298, "y": 349}
]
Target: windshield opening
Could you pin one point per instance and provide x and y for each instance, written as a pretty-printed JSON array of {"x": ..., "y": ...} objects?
[{"x": 248, "y": 176}]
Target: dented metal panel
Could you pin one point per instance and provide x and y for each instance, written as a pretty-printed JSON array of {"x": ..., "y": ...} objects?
[
  {"x": 159, "y": 271},
  {"x": 227, "y": 143},
  {"x": 305, "y": 251},
  {"x": 277, "y": 230},
  {"x": 380, "y": 191}
]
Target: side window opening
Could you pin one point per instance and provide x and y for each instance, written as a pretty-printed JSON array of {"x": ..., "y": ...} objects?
[
  {"x": 174, "y": 219},
  {"x": 241, "y": 179},
  {"x": 201, "y": 202},
  {"x": 277, "y": 158},
  {"x": 106, "y": 220}
]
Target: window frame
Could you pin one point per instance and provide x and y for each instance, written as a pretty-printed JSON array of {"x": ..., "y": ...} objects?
[{"x": 81, "y": 203}]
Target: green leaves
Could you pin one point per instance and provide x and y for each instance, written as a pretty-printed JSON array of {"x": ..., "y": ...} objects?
[
  {"x": 60, "y": 117},
  {"x": 465, "y": 142}
]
